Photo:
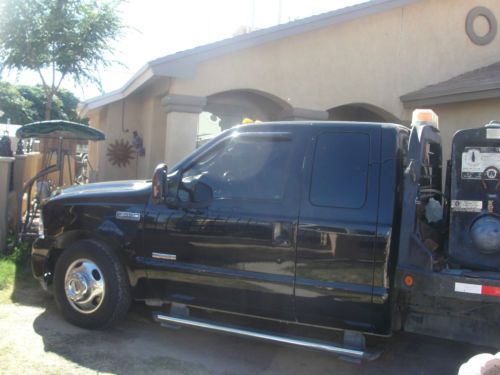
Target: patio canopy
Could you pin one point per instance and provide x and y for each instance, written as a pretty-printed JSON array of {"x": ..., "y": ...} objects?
[{"x": 59, "y": 129}]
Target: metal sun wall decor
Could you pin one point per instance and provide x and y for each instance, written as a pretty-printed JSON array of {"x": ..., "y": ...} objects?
[{"x": 120, "y": 153}]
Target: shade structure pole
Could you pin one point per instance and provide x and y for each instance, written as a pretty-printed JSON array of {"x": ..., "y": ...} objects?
[{"x": 60, "y": 162}]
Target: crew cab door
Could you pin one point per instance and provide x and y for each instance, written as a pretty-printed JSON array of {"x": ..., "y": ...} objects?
[
  {"x": 237, "y": 252},
  {"x": 338, "y": 228}
]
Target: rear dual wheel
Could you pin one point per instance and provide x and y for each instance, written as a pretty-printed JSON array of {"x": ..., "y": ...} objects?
[{"x": 91, "y": 285}]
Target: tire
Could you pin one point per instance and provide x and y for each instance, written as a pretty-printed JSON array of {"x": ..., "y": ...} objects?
[{"x": 91, "y": 286}]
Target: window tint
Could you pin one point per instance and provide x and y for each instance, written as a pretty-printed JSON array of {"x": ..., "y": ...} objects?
[
  {"x": 252, "y": 168},
  {"x": 340, "y": 170}
]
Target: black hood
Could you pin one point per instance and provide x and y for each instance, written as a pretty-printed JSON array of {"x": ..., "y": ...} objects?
[{"x": 105, "y": 189}]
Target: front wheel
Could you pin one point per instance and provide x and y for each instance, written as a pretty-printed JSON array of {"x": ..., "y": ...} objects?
[{"x": 90, "y": 285}]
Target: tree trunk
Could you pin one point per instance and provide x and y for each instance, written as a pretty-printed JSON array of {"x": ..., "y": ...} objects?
[
  {"x": 48, "y": 105},
  {"x": 45, "y": 143}
]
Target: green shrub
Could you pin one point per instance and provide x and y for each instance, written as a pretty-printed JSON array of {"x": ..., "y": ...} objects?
[
  {"x": 16, "y": 264},
  {"x": 21, "y": 252}
]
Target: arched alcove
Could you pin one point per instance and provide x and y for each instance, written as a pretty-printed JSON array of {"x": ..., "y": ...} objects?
[
  {"x": 228, "y": 108},
  {"x": 361, "y": 112}
]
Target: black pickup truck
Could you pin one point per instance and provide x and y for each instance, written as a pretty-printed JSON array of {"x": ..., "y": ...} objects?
[{"x": 329, "y": 225}]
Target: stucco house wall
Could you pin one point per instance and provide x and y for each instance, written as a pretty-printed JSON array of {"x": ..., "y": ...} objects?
[
  {"x": 458, "y": 116},
  {"x": 368, "y": 58}
]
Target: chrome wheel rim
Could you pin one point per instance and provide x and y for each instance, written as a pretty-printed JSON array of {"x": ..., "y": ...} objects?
[{"x": 84, "y": 286}]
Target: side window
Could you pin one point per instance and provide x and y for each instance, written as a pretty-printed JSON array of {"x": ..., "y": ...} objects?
[
  {"x": 251, "y": 168},
  {"x": 340, "y": 170}
]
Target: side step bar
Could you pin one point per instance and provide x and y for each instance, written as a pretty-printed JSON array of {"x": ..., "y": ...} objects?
[{"x": 343, "y": 352}]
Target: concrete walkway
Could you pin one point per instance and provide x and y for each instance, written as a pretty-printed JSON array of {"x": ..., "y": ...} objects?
[{"x": 34, "y": 339}]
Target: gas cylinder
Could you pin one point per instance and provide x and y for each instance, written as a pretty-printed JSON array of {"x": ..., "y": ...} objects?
[{"x": 474, "y": 233}]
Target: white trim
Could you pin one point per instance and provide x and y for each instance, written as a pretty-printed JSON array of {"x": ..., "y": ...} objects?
[
  {"x": 468, "y": 288},
  {"x": 127, "y": 215},
  {"x": 164, "y": 256}
]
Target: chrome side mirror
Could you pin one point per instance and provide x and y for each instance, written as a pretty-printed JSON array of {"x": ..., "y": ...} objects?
[{"x": 159, "y": 183}]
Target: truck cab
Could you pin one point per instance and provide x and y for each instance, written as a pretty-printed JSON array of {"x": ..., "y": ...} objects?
[{"x": 284, "y": 221}]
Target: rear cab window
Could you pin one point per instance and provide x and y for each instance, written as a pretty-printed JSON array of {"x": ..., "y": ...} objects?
[{"x": 340, "y": 170}]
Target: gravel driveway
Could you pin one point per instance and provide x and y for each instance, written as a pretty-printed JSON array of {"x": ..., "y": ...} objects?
[{"x": 34, "y": 339}]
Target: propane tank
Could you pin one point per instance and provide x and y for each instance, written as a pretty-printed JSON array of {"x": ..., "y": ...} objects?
[
  {"x": 485, "y": 234},
  {"x": 474, "y": 236}
]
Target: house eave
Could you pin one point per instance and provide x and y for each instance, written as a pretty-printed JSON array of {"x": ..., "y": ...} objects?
[
  {"x": 183, "y": 64},
  {"x": 142, "y": 77},
  {"x": 450, "y": 98}
]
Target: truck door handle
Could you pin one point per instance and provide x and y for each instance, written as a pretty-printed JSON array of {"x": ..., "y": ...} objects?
[{"x": 279, "y": 240}]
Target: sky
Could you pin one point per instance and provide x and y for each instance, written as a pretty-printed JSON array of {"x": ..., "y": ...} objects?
[{"x": 155, "y": 28}]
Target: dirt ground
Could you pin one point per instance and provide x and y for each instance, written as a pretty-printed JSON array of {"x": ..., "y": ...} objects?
[{"x": 34, "y": 339}]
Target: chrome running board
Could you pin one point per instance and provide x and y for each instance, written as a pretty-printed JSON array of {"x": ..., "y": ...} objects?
[{"x": 353, "y": 354}]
